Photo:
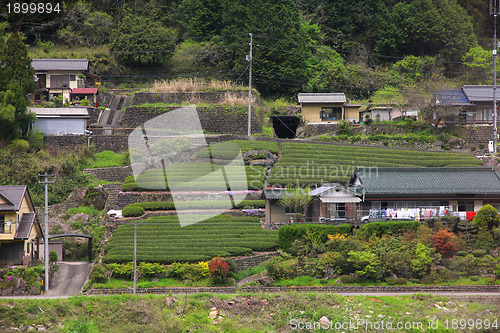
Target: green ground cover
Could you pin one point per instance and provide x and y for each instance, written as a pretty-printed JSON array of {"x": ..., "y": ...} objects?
[
  {"x": 308, "y": 164},
  {"x": 245, "y": 313},
  {"x": 161, "y": 239}
]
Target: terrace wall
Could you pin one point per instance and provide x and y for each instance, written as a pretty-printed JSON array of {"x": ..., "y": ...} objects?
[
  {"x": 243, "y": 263},
  {"x": 213, "y": 119},
  {"x": 328, "y": 289},
  {"x": 215, "y": 97}
]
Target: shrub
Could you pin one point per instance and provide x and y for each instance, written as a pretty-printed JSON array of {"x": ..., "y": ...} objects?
[
  {"x": 490, "y": 281},
  {"x": 389, "y": 227},
  {"x": 281, "y": 268},
  {"x": 461, "y": 253},
  {"x": 479, "y": 253},
  {"x": 132, "y": 211},
  {"x": 444, "y": 243},
  {"x": 98, "y": 274},
  {"x": 486, "y": 216},
  {"x": 474, "y": 278},
  {"x": 152, "y": 269},
  {"x": 21, "y": 146},
  {"x": 397, "y": 281},
  {"x": 348, "y": 279},
  {"x": 485, "y": 238},
  {"x": 218, "y": 270},
  {"x": 288, "y": 233},
  {"x": 186, "y": 271},
  {"x": 53, "y": 256}
]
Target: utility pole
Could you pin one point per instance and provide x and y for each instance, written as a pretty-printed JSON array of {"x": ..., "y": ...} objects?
[
  {"x": 46, "y": 247},
  {"x": 135, "y": 257},
  {"x": 495, "y": 10},
  {"x": 250, "y": 88}
]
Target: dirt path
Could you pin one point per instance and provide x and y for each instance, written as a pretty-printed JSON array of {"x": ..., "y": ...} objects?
[{"x": 69, "y": 278}]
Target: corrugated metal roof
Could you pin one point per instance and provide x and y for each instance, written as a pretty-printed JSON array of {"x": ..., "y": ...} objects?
[
  {"x": 60, "y": 64},
  {"x": 324, "y": 188},
  {"x": 86, "y": 91},
  {"x": 451, "y": 96},
  {"x": 14, "y": 194},
  {"x": 322, "y": 98},
  {"x": 25, "y": 225},
  {"x": 430, "y": 181},
  {"x": 480, "y": 93},
  {"x": 275, "y": 193},
  {"x": 60, "y": 112}
]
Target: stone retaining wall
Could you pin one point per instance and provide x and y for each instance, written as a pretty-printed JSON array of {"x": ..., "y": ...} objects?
[
  {"x": 215, "y": 97},
  {"x": 115, "y": 143},
  {"x": 113, "y": 174},
  {"x": 243, "y": 263},
  {"x": 329, "y": 289},
  {"x": 216, "y": 119},
  {"x": 475, "y": 135}
]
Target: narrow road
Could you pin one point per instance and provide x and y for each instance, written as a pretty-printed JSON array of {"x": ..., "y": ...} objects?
[{"x": 69, "y": 278}]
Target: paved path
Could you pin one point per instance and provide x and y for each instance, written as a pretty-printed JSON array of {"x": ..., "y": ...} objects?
[{"x": 69, "y": 278}]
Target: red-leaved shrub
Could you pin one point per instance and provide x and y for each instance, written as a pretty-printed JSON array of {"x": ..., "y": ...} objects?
[
  {"x": 218, "y": 270},
  {"x": 444, "y": 243}
]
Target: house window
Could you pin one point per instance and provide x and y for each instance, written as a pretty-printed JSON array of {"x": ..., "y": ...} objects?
[
  {"x": 289, "y": 210},
  {"x": 2, "y": 224},
  {"x": 331, "y": 113},
  {"x": 487, "y": 115},
  {"x": 59, "y": 81},
  {"x": 72, "y": 77}
]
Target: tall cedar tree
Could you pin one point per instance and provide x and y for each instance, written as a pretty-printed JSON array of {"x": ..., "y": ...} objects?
[{"x": 16, "y": 81}]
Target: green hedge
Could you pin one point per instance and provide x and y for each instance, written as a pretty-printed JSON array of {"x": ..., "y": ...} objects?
[
  {"x": 389, "y": 227},
  {"x": 288, "y": 233},
  {"x": 197, "y": 204},
  {"x": 132, "y": 211}
]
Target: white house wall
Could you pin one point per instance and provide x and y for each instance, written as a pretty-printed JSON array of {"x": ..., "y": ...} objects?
[{"x": 50, "y": 126}]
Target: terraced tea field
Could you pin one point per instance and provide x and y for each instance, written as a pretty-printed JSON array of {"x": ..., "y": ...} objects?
[
  {"x": 161, "y": 239},
  {"x": 308, "y": 164},
  {"x": 154, "y": 180}
]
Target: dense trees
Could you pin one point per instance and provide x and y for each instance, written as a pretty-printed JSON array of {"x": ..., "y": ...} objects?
[
  {"x": 316, "y": 46},
  {"x": 16, "y": 80}
]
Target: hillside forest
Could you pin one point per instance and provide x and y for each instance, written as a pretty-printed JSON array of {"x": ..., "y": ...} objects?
[{"x": 382, "y": 50}]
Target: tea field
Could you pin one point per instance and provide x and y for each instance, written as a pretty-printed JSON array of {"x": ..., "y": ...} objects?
[
  {"x": 154, "y": 180},
  {"x": 162, "y": 239},
  {"x": 307, "y": 164}
]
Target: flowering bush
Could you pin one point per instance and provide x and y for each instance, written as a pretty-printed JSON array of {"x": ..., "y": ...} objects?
[
  {"x": 218, "y": 270},
  {"x": 204, "y": 268},
  {"x": 254, "y": 212}
]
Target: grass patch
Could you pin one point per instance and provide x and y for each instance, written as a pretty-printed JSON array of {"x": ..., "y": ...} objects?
[
  {"x": 264, "y": 312},
  {"x": 107, "y": 159}
]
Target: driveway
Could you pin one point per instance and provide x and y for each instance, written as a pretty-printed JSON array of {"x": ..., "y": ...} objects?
[{"x": 69, "y": 278}]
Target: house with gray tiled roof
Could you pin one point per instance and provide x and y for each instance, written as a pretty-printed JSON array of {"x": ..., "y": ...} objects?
[
  {"x": 409, "y": 193},
  {"x": 474, "y": 102},
  {"x": 460, "y": 190},
  {"x": 20, "y": 232},
  {"x": 324, "y": 108},
  {"x": 58, "y": 77}
]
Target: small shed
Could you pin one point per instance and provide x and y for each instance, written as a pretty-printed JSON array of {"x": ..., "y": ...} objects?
[{"x": 60, "y": 121}]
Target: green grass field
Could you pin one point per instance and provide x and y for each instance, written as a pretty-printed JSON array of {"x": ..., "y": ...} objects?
[
  {"x": 308, "y": 164},
  {"x": 161, "y": 239}
]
